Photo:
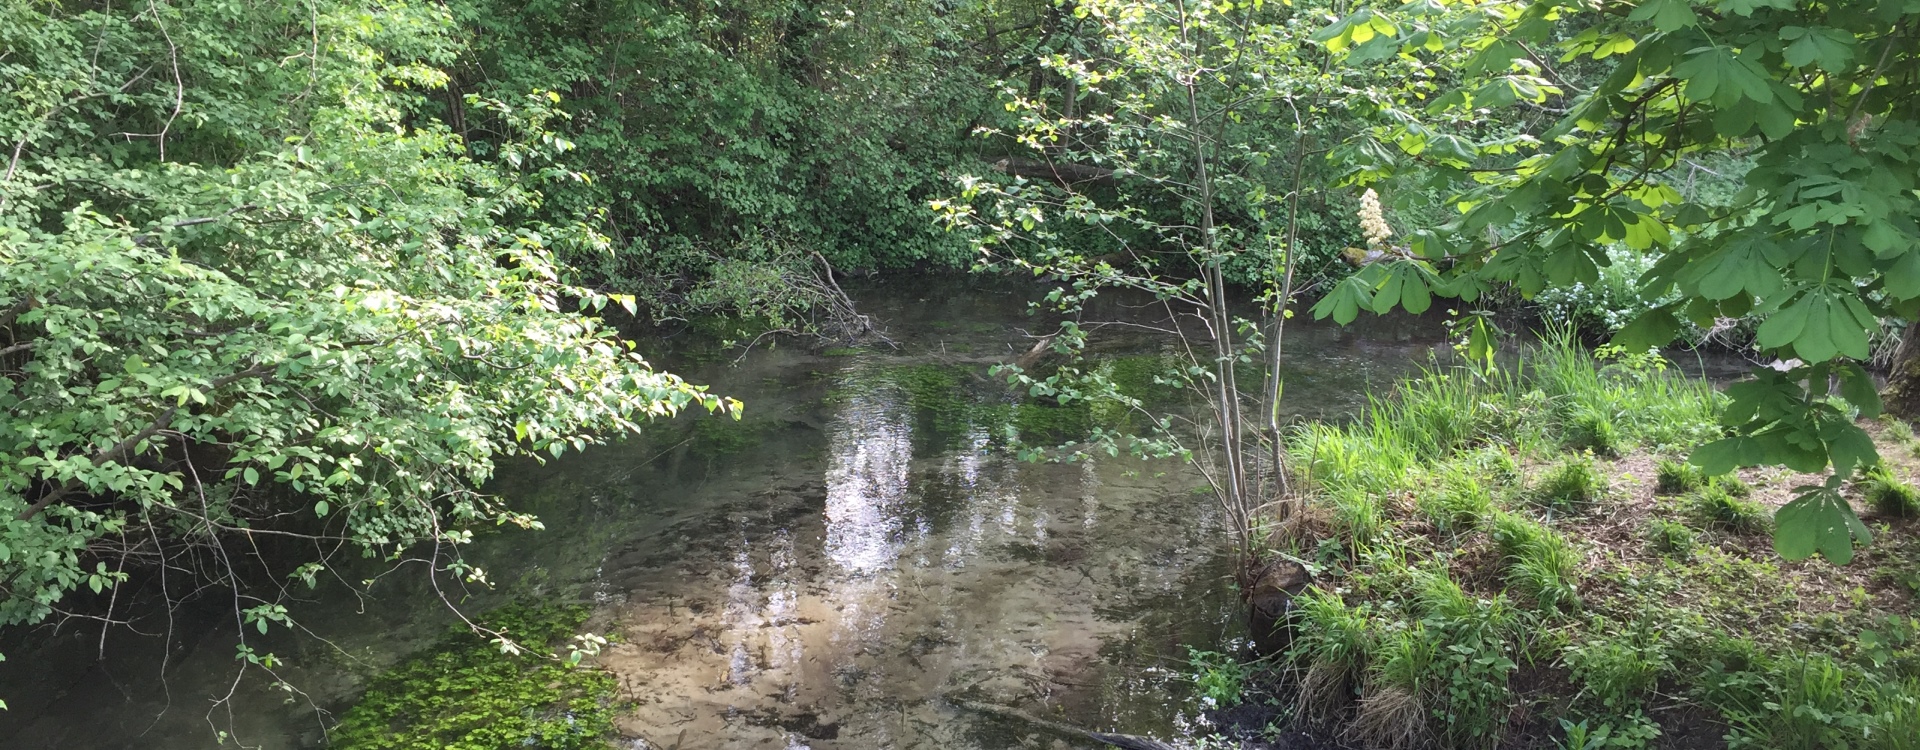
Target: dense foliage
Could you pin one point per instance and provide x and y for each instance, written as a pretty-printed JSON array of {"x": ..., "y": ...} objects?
[
  {"x": 247, "y": 292},
  {"x": 730, "y": 145},
  {"x": 1819, "y": 246}
]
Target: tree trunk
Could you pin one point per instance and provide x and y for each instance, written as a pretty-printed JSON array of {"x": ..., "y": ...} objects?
[{"x": 1902, "y": 395}]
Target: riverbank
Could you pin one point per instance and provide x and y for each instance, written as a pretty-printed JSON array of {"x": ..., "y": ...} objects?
[{"x": 1521, "y": 559}]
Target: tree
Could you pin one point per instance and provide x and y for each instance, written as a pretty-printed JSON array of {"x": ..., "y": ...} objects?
[
  {"x": 246, "y": 294},
  {"x": 1820, "y": 247},
  {"x": 1203, "y": 123}
]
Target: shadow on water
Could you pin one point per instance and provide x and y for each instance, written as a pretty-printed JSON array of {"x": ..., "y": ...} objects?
[{"x": 831, "y": 572}]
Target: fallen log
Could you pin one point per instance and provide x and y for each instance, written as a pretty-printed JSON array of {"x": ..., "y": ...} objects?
[{"x": 1064, "y": 174}]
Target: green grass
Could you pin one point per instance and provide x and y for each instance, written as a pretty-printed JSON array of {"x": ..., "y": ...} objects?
[
  {"x": 1732, "y": 485},
  {"x": 1889, "y": 496},
  {"x": 1671, "y": 538},
  {"x": 1677, "y": 477},
  {"x": 1617, "y": 670},
  {"x": 1716, "y": 507},
  {"x": 1560, "y": 395},
  {"x": 1541, "y": 564},
  {"x": 1458, "y": 502},
  {"x": 1576, "y": 482},
  {"x": 1591, "y": 430},
  {"x": 1423, "y": 618}
]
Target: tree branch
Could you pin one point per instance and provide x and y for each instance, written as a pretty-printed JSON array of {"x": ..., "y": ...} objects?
[{"x": 116, "y": 450}]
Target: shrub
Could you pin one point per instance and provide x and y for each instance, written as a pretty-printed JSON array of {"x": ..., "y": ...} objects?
[
  {"x": 1574, "y": 482},
  {"x": 1888, "y": 495},
  {"x": 1718, "y": 508},
  {"x": 1672, "y": 539},
  {"x": 1674, "y": 477}
]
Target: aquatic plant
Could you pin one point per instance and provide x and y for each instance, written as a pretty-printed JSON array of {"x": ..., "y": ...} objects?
[{"x": 465, "y": 692}]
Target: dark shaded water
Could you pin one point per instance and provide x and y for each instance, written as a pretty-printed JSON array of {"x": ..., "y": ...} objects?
[{"x": 830, "y": 573}]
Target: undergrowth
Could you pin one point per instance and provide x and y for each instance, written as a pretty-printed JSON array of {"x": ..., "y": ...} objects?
[{"x": 1491, "y": 574}]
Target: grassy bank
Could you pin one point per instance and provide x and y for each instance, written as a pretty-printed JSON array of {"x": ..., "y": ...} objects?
[{"x": 1522, "y": 559}]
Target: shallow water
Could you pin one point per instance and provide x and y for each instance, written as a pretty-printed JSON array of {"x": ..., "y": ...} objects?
[{"x": 832, "y": 572}]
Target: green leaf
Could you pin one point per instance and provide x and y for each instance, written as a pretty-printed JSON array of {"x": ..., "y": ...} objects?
[
  {"x": 1653, "y": 328},
  {"x": 1903, "y": 278},
  {"x": 1783, "y": 327},
  {"x": 1858, "y": 388},
  {"x": 1747, "y": 7},
  {"x": 1344, "y": 302},
  {"x": 1666, "y": 15},
  {"x": 250, "y": 476},
  {"x": 1832, "y": 48},
  {"x": 1726, "y": 454},
  {"x": 1850, "y": 447},
  {"x": 1820, "y": 521}
]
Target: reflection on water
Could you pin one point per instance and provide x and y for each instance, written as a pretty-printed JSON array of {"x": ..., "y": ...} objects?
[
  {"x": 954, "y": 572},
  {"x": 871, "y": 446},
  {"x": 828, "y": 579}
]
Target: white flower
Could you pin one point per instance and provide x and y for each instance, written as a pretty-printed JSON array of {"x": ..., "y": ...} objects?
[{"x": 1373, "y": 223}]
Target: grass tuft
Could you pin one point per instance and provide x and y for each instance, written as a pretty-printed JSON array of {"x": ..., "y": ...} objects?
[
  {"x": 1672, "y": 539},
  {"x": 1677, "y": 477},
  {"x": 1733, "y": 485},
  {"x": 1459, "y": 503},
  {"x": 1888, "y": 495},
  {"x": 1592, "y": 430},
  {"x": 1575, "y": 482},
  {"x": 1541, "y": 565},
  {"x": 1617, "y": 670},
  {"x": 1718, "y": 508}
]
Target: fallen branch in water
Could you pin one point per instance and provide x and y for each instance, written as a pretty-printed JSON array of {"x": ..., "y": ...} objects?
[{"x": 1124, "y": 741}]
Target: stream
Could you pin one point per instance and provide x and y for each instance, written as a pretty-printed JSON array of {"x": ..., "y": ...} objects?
[{"x": 831, "y": 572}]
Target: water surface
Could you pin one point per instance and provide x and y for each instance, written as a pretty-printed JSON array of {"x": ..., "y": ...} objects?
[{"x": 832, "y": 572}]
